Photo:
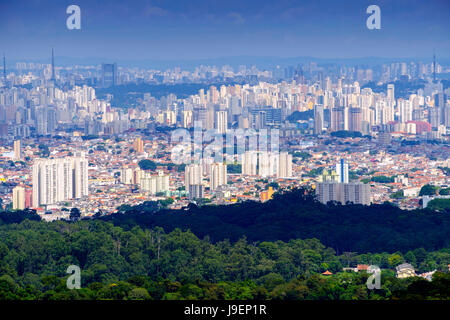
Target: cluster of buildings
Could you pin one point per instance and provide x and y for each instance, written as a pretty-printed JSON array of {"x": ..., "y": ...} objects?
[
  {"x": 335, "y": 186},
  {"x": 69, "y": 147},
  {"x": 58, "y": 180},
  {"x": 335, "y": 102},
  {"x": 105, "y": 75},
  {"x": 402, "y": 271},
  {"x": 115, "y": 177},
  {"x": 54, "y": 181}
]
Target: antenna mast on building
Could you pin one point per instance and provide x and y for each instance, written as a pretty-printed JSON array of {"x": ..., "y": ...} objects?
[
  {"x": 53, "y": 67},
  {"x": 4, "y": 69}
]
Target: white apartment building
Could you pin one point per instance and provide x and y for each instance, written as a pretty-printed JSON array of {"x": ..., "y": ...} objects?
[
  {"x": 155, "y": 183},
  {"x": 285, "y": 165},
  {"x": 357, "y": 193},
  {"x": 218, "y": 176},
  {"x": 18, "y": 198},
  {"x": 57, "y": 180},
  {"x": 193, "y": 175},
  {"x": 249, "y": 163}
]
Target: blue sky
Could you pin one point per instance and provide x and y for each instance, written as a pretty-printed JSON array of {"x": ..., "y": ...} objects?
[{"x": 198, "y": 29}]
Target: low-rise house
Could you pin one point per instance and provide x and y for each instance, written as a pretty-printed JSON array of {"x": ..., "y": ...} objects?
[
  {"x": 362, "y": 267},
  {"x": 405, "y": 270},
  {"x": 359, "y": 267},
  {"x": 427, "y": 275}
]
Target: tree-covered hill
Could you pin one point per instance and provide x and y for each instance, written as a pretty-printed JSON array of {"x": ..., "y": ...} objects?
[
  {"x": 152, "y": 264},
  {"x": 296, "y": 214}
]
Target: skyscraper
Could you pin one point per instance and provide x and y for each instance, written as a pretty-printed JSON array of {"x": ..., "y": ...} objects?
[
  {"x": 259, "y": 120},
  {"x": 342, "y": 171},
  {"x": 155, "y": 183},
  {"x": 263, "y": 116},
  {"x": 109, "y": 74},
  {"x": 56, "y": 180},
  {"x": 195, "y": 191},
  {"x": 249, "y": 163},
  {"x": 187, "y": 117},
  {"x": 80, "y": 176},
  {"x": 138, "y": 145},
  {"x": 28, "y": 198},
  {"x": 390, "y": 94},
  {"x": 218, "y": 175},
  {"x": 18, "y": 198},
  {"x": 285, "y": 165},
  {"x": 355, "y": 121},
  {"x": 434, "y": 118},
  {"x": 45, "y": 120},
  {"x": 193, "y": 175},
  {"x": 337, "y": 119},
  {"x": 17, "y": 150},
  {"x": 447, "y": 116},
  {"x": 405, "y": 110},
  {"x": 318, "y": 119},
  {"x": 268, "y": 163},
  {"x": 53, "y": 78},
  {"x": 126, "y": 176},
  {"x": 221, "y": 121},
  {"x": 357, "y": 193}
]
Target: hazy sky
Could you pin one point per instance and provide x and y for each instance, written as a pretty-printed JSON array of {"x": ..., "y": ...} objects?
[{"x": 168, "y": 29}]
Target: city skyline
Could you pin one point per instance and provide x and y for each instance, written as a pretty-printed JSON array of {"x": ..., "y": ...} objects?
[{"x": 225, "y": 150}]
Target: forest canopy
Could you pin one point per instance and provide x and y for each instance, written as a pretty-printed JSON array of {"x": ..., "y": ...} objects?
[
  {"x": 296, "y": 214},
  {"x": 273, "y": 250}
]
